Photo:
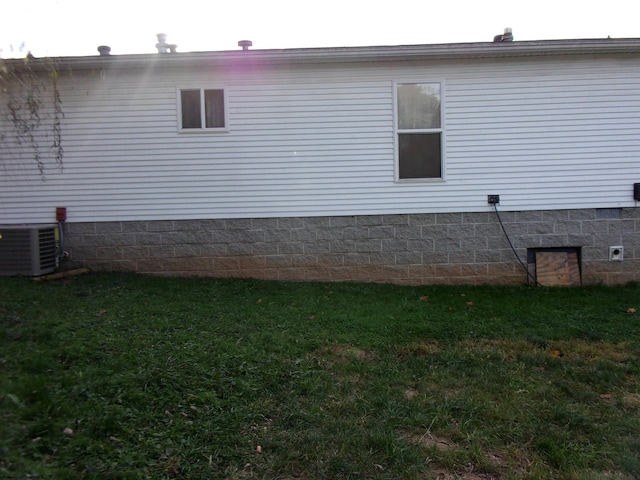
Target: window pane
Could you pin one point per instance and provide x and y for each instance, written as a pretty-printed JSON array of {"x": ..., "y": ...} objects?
[
  {"x": 214, "y": 108},
  {"x": 190, "y": 101},
  {"x": 418, "y": 105},
  {"x": 420, "y": 155}
]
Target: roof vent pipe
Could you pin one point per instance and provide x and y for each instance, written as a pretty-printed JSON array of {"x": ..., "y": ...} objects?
[
  {"x": 507, "y": 36},
  {"x": 245, "y": 44},
  {"x": 104, "y": 50},
  {"x": 163, "y": 46}
]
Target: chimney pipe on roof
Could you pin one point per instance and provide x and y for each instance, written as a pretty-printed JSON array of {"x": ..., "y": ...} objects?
[
  {"x": 163, "y": 46},
  {"x": 162, "y": 43},
  {"x": 245, "y": 44},
  {"x": 104, "y": 50}
]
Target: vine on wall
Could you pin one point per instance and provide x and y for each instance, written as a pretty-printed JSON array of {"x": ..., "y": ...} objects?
[{"x": 33, "y": 114}]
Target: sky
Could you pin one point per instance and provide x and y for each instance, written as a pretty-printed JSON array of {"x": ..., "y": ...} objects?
[{"x": 78, "y": 27}]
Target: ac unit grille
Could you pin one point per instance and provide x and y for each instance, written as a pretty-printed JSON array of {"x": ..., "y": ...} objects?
[
  {"x": 29, "y": 251},
  {"x": 47, "y": 246}
]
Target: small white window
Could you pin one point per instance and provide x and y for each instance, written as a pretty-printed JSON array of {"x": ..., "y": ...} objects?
[
  {"x": 203, "y": 109},
  {"x": 418, "y": 131}
]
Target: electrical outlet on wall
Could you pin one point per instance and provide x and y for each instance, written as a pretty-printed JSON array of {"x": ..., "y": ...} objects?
[{"x": 493, "y": 199}]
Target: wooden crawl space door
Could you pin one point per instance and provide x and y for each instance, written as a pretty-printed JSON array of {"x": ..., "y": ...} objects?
[{"x": 555, "y": 267}]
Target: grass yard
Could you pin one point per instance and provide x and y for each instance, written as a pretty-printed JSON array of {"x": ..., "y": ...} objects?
[{"x": 126, "y": 377}]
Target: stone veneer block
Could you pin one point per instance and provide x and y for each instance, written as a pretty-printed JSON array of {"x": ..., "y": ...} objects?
[{"x": 424, "y": 248}]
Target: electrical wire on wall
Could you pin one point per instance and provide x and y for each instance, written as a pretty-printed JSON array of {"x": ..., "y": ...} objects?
[
  {"x": 61, "y": 252},
  {"x": 524, "y": 266},
  {"x": 61, "y": 217}
]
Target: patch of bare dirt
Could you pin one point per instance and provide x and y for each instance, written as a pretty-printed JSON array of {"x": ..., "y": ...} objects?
[
  {"x": 631, "y": 400},
  {"x": 410, "y": 393},
  {"x": 343, "y": 354},
  {"x": 424, "y": 348},
  {"x": 428, "y": 440},
  {"x": 442, "y": 474}
]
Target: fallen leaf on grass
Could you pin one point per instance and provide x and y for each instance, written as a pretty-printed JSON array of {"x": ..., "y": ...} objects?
[
  {"x": 424, "y": 298},
  {"x": 631, "y": 310},
  {"x": 555, "y": 353},
  {"x": 258, "y": 449},
  {"x": 606, "y": 396},
  {"x": 101, "y": 313},
  {"x": 470, "y": 303},
  {"x": 68, "y": 431}
]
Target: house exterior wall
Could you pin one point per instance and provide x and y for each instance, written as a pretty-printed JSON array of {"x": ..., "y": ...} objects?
[
  {"x": 317, "y": 140},
  {"x": 419, "y": 249},
  {"x": 302, "y": 184}
]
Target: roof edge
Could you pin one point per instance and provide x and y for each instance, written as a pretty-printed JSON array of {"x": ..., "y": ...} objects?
[{"x": 449, "y": 51}]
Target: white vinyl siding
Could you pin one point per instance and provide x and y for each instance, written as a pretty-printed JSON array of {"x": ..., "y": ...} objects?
[
  {"x": 564, "y": 136},
  {"x": 319, "y": 140}
]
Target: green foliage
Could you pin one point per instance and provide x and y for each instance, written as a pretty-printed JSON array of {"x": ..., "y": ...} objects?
[{"x": 124, "y": 376}]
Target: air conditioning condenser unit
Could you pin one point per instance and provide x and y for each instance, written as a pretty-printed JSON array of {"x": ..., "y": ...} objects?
[{"x": 28, "y": 250}]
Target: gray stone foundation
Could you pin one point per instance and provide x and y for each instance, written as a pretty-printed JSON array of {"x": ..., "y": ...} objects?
[{"x": 448, "y": 248}]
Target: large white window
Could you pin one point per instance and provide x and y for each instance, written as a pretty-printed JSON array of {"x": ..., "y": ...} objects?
[
  {"x": 202, "y": 109},
  {"x": 418, "y": 131}
]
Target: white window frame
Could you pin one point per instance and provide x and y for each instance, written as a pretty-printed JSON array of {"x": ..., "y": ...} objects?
[
  {"x": 397, "y": 131},
  {"x": 203, "y": 129}
]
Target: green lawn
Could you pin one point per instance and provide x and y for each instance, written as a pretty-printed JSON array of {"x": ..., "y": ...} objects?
[{"x": 125, "y": 377}]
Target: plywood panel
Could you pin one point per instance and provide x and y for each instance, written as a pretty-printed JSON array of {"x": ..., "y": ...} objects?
[{"x": 557, "y": 269}]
